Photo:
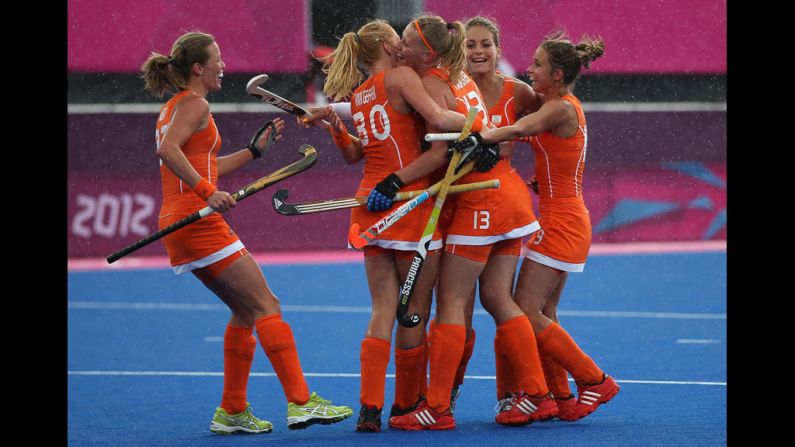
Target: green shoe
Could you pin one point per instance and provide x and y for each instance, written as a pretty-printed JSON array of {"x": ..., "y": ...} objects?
[
  {"x": 226, "y": 424},
  {"x": 315, "y": 411}
]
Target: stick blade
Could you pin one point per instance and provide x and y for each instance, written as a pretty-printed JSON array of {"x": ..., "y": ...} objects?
[
  {"x": 256, "y": 81},
  {"x": 308, "y": 151},
  {"x": 279, "y": 199},
  {"x": 356, "y": 239}
]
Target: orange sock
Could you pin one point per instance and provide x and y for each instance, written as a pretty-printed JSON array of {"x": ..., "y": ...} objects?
[
  {"x": 277, "y": 340},
  {"x": 374, "y": 358},
  {"x": 410, "y": 374},
  {"x": 424, "y": 375},
  {"x": 555, "y": 342},
  {"x": 447, "y": 346},
  {"x": 239, "y": 346},
  {"x": 556, "y": 377},
  {"x": 520, "y": 348},
  {"x": 469, "y": 346},
  {"x": 506, "y": 379}
]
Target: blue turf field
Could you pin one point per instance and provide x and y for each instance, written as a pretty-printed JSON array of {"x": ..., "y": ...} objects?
[{"x": 145, "y": 357}]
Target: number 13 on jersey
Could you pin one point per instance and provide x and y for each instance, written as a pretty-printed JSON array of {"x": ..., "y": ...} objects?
[{"x": 481, "y": 220}]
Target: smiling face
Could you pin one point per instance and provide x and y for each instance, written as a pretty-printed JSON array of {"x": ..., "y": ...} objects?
[
  {"x": 541, "y": 74},
  {"x": 213, "y": 70},
  {"x": 482, "y": 53}
]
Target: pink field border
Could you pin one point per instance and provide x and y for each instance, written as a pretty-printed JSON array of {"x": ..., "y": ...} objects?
[{"x": 352, "y": 257}]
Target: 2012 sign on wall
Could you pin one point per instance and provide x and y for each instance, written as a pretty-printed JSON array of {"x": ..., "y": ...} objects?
[{"x": 110, "y": 215}]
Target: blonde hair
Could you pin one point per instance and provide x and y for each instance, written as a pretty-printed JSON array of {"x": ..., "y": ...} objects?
[
  {"x": 354, "y": 52},
  {"x": 569, "y": 57},
  {"x": 450, "y": 46},
  {"x": 172, "y": 73}
]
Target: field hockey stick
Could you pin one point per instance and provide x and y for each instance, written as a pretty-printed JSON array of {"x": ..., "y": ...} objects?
[
  {"x": 444, "y": 136},
  {"x": 310, "y": 156},
  {"x": 358, "y": 239},
  {"x": 427, "y": 234},
  {"x": 253, "y": 88},
  {"x": 450, "y": 136},
  {"x": 297, "y": 209}
]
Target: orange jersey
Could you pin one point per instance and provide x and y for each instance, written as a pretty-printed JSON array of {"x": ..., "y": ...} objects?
[
  {"x": 560, "y": 162},
  {"x": 390, "y": 140},
  {"x": 503, "y": 113},
  {"x": 210, "y": 239},
  {"x": 565, "y": 239},
  {"x": 486, "y": 216},
  {"x": 201, "y": 151}
]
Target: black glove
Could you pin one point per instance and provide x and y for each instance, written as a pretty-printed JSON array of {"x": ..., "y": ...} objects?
[
  {"x": 383, "y": 194},
  {"x": 465, "y": 146},
  {"x": 255, "y": 149},
  {"x": 486, "y": 157}
]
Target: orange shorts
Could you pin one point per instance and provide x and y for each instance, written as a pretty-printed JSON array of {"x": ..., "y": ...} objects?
[
  {"x": 481, "y": 253},
  {"x": 199, "y": 244},
  {"x": 405, "y": 233},
  {"x": 374, "y": 250},
  {"x": 487, "y": 216},
  {"x": 214, "y": 270},
  {"x": 562, "y": 242},
  {"x": 447, "y": 215}
]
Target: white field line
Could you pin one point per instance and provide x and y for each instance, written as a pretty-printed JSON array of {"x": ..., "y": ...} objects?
[
  {"x": 117, "y": 305},
  {"x": 343, "y": 375}
]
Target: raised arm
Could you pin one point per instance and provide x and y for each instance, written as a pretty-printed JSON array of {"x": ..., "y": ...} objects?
[
  {"x": 412, "y": 90},
  {"x": 435, "y": 157},
  {"x": 550, "y": 116}
]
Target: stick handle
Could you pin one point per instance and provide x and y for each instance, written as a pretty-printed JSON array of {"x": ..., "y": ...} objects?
[
  {"x": 454, "y": 189},
  {"x": 407, "y": 290},
  {"x": 446, "y": 136},
  {"x": 206, "y": 211}
]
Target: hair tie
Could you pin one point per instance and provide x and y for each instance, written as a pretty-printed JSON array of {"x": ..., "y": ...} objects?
[
  {"x": 422, "y": 36},
  {"x": 356, "y": 36}
]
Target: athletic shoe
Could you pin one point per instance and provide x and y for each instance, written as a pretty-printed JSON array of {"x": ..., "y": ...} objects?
[
  {"x": 590, "y": 397},
  {"x": 566, "y": 408},
  {"x": 522, "y": 409},
  {"x": 423, "y": 418},
  {"x": 397, "y": 411},
  {"x": 504, "y": 405},
  {"x": 454, "y": 396},
  {"x": 245, "y": 421},
  {"x": 315, "y": 411},
  {"x": 369, "y": 419}
]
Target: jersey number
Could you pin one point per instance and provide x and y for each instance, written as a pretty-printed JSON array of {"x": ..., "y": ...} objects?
[
  {"x": 377, "y": 115},
  {"x": 480, "y": 220}
]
